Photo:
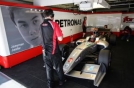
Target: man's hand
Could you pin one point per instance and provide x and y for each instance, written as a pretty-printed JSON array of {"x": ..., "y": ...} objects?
[
  {"x": 60, "y": 38},
  {"x": 126, "y": 32}
]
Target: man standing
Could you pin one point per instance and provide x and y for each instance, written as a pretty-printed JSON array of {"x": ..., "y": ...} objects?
[
  {"x": 51, "y": 33},
  {"x": 84, "y": 26}
]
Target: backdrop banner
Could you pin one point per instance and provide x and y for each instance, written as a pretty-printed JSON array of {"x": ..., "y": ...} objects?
[{"x": 22, "y": 26}]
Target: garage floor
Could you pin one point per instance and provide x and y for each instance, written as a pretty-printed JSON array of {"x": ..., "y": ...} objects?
[{"x": 121, "y": 75}]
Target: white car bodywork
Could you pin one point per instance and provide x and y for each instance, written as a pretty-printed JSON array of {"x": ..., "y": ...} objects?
[
  {"x": 99, "y": 41},
  {"x": 90, "y": 71}
]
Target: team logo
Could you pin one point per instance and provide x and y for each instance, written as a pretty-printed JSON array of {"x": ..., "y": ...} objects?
[
  {"x": 127, "y": 19},
  {"x": 44, "y": 24}
]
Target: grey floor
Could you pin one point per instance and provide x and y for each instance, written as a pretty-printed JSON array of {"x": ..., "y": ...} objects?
[{"x": 121, "y": 74}]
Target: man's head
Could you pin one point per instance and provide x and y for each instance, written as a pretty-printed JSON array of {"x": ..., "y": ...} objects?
[
  {"x": 28, "y": 24},
  {"x": 105, "y": 26},
  {"x": 85, "y": 18},
  {"x": 49, "y": 14},
  {"x": 127, "y": 26}
]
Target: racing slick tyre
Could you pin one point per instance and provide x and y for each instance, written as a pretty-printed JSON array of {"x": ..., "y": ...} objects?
[
  {"x": 112, "y": 39},
  {"x": 1, "y": 67},
  {"x": 64, "y": 48},
  {"x": 104, "y": 57}
]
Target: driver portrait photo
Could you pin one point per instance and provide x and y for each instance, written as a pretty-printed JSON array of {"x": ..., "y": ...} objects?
[
  {"x": 22, "y": 27},
  {"x": 28, "y": 24}
]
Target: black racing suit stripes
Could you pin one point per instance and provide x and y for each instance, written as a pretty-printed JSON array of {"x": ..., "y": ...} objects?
[{"x": 52, "y": 57}]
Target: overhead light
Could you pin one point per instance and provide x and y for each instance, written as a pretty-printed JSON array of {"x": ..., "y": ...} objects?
[
  {"x": 57, "y": 2},
  {"x": 85, "y": 9},
  {"x": 80, "y": 1},
  {"x": 51, "y": 2},
  {"x": 85, "y": 6},
  {"x": 95, "y": 3},
  {"x": 100, "y": 4}
]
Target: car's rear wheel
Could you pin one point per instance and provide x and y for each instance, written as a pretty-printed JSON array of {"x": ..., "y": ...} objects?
[{"x": 112, "y": 39}]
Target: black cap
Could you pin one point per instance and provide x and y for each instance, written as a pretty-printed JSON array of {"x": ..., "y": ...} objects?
[
  {"x": 85, "y": 17},
  {"x": 49, "y": 12}
]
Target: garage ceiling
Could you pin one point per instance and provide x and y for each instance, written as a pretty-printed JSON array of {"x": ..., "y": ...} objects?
[{"x": 116, "y": 5}]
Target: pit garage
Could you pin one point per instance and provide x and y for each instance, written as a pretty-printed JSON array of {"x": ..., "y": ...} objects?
[{"x": 103, "y": 61}]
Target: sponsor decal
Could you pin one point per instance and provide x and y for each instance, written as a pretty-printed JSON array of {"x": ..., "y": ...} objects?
[
  {"x": 44, "y": 24},
  {"x": 127, "y": 19},
  {"x": 68, "y": 22},
  {"x": 91, "y": 68}
]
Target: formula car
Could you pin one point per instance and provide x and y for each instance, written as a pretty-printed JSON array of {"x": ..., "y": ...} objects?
[
  {"x": 95, "y": 61},
  {"x": 103, "y": 33}
]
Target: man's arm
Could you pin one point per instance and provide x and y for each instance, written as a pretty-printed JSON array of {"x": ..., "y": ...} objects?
[
  {"x": 58, "y": 32},
  {"x": 84, "y": 23},
  {"x": 60, "y": 38}
]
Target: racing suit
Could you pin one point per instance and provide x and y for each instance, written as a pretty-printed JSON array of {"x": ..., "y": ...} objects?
[{"x": 52, "y": 57}]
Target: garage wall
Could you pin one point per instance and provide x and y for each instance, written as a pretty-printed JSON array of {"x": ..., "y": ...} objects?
[
  {"x": 99, "y": 20},
  {"x": 4, "y": 50},
  {"x": 70, "y": 24},
  {"x": 72, "y": 27},
  {"x": 119, "y": 20}
]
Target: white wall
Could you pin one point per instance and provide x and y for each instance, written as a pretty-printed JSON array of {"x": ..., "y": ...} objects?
[
  {"x": 69, "y": 16},
  {"x": 127, "y": 20},
  {"x": 67, "y": 30},
  {"x": 4, "y": 50},
  {"x": 112, "y": 20}
]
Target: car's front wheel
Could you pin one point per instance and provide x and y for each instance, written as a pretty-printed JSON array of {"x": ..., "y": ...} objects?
[
  {"x": 112, "y": 39},
  {"x": 104, "y": 57},
  {"x": 64, "y": 49}
]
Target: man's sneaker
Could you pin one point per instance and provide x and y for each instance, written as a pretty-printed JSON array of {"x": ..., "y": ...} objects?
[
  {"x": 50, "y": 87},
  {"x": 62, "y": 82},
  {"x": 127, "y": 40},
  {"x": 44, "y": 66}
]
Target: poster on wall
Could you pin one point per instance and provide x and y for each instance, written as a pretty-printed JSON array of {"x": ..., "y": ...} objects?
[{"x": 22, "y": 28}]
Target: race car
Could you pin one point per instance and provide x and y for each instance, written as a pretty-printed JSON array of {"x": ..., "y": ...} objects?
[
  {"x": 100, "y": 40},
  {"x": 95, "y": 61},
  {"x": 100, "y": 32}
]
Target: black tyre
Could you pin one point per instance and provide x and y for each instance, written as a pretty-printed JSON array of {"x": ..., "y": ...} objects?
[
  {"x": 72, "y": 44},
  {"x": 104, "y": 57},
  {"x": 64, "y": 48},
  {"x": 112, "y": 39},
  {"x": 1, "y": 67}
]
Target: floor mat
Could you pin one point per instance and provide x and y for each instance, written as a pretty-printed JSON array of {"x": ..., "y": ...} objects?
[
  {"x": 7, "y": 82},
  {"x": 32, "y": 74}
]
